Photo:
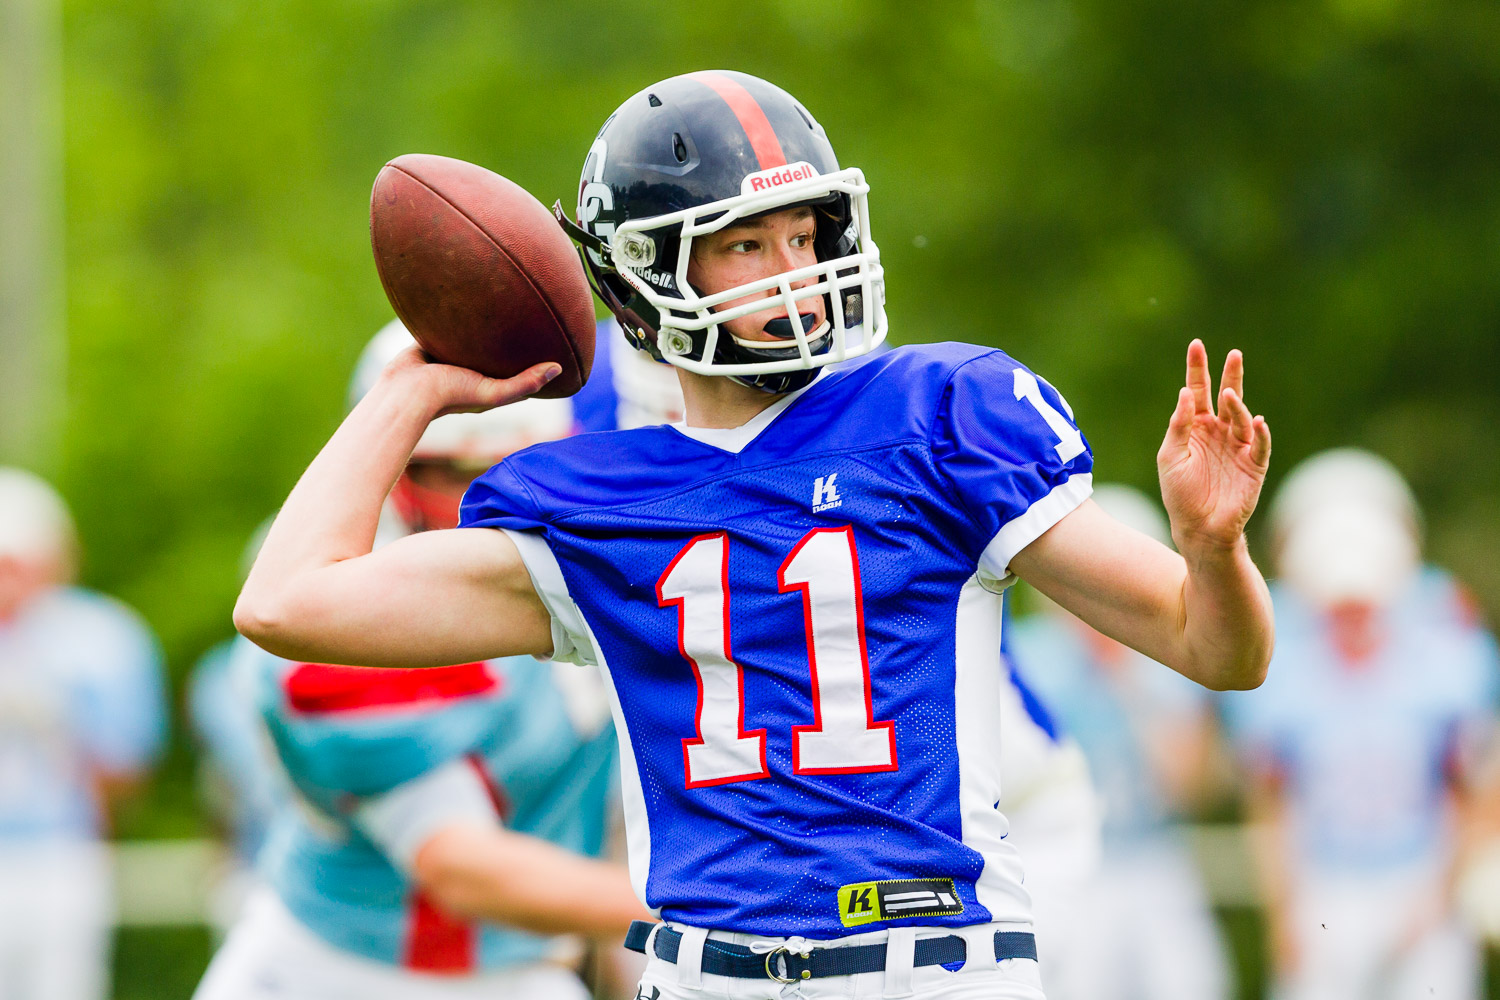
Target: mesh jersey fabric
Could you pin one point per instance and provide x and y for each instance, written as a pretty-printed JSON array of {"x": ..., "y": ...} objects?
[{"x": 933, "y": 465}]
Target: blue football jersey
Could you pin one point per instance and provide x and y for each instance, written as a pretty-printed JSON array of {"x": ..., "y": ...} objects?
[
  {"x": 799, "y": 620},
  {"x": 347, "y": 737}
]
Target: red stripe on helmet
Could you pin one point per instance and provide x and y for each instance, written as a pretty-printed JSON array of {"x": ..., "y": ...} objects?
[{"x": 752, "y": 119}]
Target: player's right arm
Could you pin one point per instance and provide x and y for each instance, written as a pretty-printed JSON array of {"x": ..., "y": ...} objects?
[{"x": 318, "y": 593}]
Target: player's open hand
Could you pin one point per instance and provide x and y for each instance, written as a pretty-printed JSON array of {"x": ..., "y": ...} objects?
[
  {"x": 451, "y": 389},
  {"x": 1213, "y": 460}
]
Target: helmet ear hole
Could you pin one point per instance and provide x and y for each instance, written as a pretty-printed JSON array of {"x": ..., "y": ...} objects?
[{"x": 679, "y": 148}]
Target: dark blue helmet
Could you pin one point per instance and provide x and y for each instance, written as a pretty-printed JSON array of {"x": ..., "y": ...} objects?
[{"x": 692, "y": 155}]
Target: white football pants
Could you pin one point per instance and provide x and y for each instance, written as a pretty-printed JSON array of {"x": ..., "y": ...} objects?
[
  {"x": 1013, "y": 979},
  {"x": 56, "y": 918},
  {"x": 269, "y": 955},
  {"x": 1144, "y": 929},
  {"x": 1350, "y": 931}
]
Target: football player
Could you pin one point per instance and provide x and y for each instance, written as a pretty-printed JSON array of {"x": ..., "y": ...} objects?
[
  {"x": 793, "y": 593},
  {"x": 437, "y": 837},
  {"x": 81, "y": 721},
  {"x": 1142, "y": 926},
  {"x": 1046, "y": 794},
  {"x": 1363, "y": 748}
]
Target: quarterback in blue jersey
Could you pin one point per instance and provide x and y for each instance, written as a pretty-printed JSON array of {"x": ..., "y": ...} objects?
[
  {"x": 792, "y": 593},
  {"x": 1046, "y": 795}
]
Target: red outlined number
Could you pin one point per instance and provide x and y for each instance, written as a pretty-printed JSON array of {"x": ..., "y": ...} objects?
[
  {"x": 844, "y": 737},
  {"x": 697, "y": 582}
]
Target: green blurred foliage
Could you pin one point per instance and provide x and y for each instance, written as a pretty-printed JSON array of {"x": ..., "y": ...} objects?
[{"x": 1085, "y": 183}]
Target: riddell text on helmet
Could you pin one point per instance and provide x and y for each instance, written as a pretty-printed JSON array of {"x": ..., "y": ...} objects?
[{"x": 766, "y": 180}]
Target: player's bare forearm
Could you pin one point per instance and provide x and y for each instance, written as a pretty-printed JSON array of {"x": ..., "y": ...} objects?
[
  {"x": 1227, "y": 626},
  {"x": 1207, "y": 617},
  {"x": 316, "y": 592},
  {"x": 522, "y": 881},
  {"x": 1206, "y": 613}
]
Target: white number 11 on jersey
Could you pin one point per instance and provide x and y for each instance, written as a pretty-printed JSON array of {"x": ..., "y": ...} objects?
[{"x": 844, "y": 737}]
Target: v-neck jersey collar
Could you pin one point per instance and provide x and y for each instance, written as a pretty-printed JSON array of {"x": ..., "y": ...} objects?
[{"x": 737, "y": 439}]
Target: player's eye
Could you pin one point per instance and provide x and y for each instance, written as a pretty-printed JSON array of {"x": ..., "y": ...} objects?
[
  {"x": 742, "y": 246},
  {"x": 802, "y": 240}
]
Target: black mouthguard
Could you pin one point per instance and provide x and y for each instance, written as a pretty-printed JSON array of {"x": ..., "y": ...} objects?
[{"x": 781, "y": 327}]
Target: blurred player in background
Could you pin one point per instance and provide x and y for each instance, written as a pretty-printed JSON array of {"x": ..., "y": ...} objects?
[
  {"x": 437, "y": 843},
  {"x": 1143, "y": 929},
  {"x": 1361, "y": 746},
  {"x": 626, "y": 388},
  {"x": 81, "y": 721},
  {"x": 1048, "y": 796},
  {"x": 238, "y": 779}
]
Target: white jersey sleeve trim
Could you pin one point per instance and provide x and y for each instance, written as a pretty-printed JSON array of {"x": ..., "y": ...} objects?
[
  {"x": 406, "y": 817},
  {"x": 571, "y": 642},
  {"x": 1021, "y": 531}
]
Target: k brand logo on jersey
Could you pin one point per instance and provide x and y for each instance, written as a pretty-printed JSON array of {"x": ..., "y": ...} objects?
[
  {"x": 826, "y": 494},
  {"x": 769, "y": 180},
  {"x": 897, "y": 899}
]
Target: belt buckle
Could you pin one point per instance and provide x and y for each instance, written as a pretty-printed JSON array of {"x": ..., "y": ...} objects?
[{"x": 772, "y": 973}]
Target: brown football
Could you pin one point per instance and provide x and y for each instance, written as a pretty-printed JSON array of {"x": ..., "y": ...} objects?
[{"x": 479, "y": 271}]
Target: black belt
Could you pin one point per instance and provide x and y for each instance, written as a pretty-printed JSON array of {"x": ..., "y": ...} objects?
[{"x": 739, "y": 962}]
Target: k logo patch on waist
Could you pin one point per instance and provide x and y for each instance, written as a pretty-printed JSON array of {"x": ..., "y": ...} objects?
[{"x": 897, "y": 899}]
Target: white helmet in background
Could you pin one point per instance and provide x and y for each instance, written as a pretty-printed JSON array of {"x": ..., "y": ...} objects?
[
  {"x": 1346, "y": 528},
  {"x": 465, "y": 443},
  {"x": 478, "y": 440},
  {"x": 1134, "y": 509},
  {"x": 34, "y": 521},
  {"x": 649, "y": 390}
]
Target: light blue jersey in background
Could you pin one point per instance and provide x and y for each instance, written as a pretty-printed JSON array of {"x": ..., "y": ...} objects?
[
  {"x": 347, "y": 736},
  {"x": 1365, "y": 750},
  {"x": 81, "y": 694},
  {"x": 1108, "y": 717}
]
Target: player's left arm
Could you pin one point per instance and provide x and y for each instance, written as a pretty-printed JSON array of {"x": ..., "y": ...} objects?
[{"x": 1204, "y": 610}]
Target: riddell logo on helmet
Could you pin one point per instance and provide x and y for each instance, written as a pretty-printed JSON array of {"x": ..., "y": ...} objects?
[{"x": 770, "y": 180}]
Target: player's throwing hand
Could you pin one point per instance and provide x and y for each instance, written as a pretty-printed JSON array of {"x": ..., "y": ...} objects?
[
  {"x": 451, "y": 389},
  {"x": 1212, "y": 464}
]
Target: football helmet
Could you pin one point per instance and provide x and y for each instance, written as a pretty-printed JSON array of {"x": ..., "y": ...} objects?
[
  {"x": 34, "y": 521},
  {"x": 468, "y": 442},
  {"x": 693, "y": 155},
  {"x": 1134, "y": 509},
  {"x": 1346, "y": 527}
]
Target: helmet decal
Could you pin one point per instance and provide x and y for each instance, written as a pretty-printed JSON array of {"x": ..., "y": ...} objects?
[
  {"x": 595, "y": 197},
  {"x": 751, "y": 116}
]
